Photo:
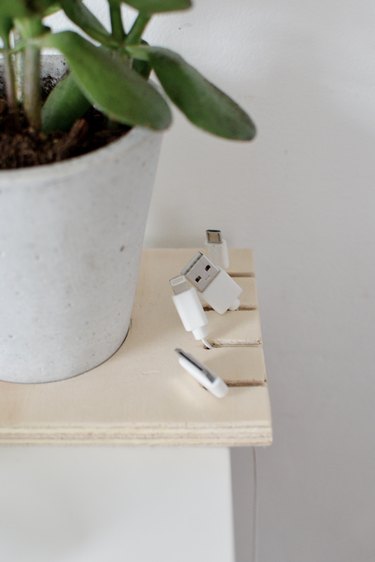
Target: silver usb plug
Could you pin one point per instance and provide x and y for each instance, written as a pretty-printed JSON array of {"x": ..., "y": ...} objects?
[{"x": 200, "y": 271}]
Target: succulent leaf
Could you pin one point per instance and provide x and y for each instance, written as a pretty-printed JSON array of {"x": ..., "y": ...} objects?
[
  {"x": 108, "y": 82},
  {"x": 203, "y": 103}
]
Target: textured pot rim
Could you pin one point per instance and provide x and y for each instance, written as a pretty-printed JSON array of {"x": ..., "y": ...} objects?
[{"x": 77, "y": 164}]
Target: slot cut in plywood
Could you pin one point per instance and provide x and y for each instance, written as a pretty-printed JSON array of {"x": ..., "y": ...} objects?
[{"x": 141, "y": 396}]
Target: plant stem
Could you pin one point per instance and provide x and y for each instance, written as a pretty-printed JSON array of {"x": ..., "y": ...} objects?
[
  {"x": 137, "y": 29},
  {"x": 10, "y": 81},
  {"x": 118, "y": 32},
  {"x": 18, "y": 63},
  {"x": 31, "y": 28},
  {"x": 31, "y": 92},
  {"x": 14, "y": 50}
]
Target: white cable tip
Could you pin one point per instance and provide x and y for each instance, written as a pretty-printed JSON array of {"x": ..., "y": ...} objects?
[
  {"x": 217, "y": 248},
  {"x": 206, "y": 378},
  {"x": 214, "y": 284},
  {"x": 206, "y": 343}
]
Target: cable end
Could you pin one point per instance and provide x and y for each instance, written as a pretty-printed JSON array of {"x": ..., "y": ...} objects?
[
  {"x": 179, "y": 284},
  {"x": 206, "y": 343},
  {"x": 200, "y": 271},
  {"x": 213, "y": 236}
]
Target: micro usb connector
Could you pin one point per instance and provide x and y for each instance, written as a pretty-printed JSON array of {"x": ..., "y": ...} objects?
[
  {"x": 214, "y": 237},
  {"x": 217, "y": 248},
  {"x": 214, "y": 284}
]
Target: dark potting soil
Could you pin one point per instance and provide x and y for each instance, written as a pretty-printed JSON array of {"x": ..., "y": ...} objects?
[{"x": 21, "y": 146}]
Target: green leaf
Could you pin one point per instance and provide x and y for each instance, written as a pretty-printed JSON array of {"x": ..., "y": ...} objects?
[
  {"x": 109, "y": 84},
  {"x": 203, "y": 103},
  {"x": 79, "y": 14},
  {"x": 41, "y": 6},
  {"x": 13, "y": 8},
  {"x": 142, "y": 67},
  {"x": 52, "y": 9},
  {"x": 6, "y": 25},
  {"x": 64, "y": 105},
  {"x": 25, "y": 8},
  {"x": 156, "y": 6}
]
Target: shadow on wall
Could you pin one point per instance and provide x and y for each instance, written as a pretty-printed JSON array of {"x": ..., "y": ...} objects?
[{"x": 244, "y": 503}]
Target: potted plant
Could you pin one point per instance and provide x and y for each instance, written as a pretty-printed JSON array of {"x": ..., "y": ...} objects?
[{"x": 72, "y": 224}]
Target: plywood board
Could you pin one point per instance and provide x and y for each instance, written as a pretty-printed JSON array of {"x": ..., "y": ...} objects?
[{"x": 141, "y": 395}]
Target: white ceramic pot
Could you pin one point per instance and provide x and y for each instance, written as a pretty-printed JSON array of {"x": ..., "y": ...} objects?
[{"x": 71, "y": 236}]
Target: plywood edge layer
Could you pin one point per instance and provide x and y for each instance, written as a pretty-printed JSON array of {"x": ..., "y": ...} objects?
[{"x": 222, "y": 437}]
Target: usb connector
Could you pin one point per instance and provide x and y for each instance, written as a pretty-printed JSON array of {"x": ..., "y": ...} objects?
[
  {"x": 179, "y": 285},
  {"x": 217, "y": 248},
  {"x": 214, "y": 284},
  {"x": 200, "y": 272},
  {"x": 206, "y": 378}
]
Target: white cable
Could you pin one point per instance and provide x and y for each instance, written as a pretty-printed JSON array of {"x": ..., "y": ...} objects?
[
  {"x": 206, "y": 343},
  {"x": 190, "y": 309}
]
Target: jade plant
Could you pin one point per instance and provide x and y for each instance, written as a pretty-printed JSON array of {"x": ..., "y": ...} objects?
[{"x": 107, "y": 69}]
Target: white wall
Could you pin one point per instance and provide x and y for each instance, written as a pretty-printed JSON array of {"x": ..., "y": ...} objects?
[{"x": 303, "y": 197}]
